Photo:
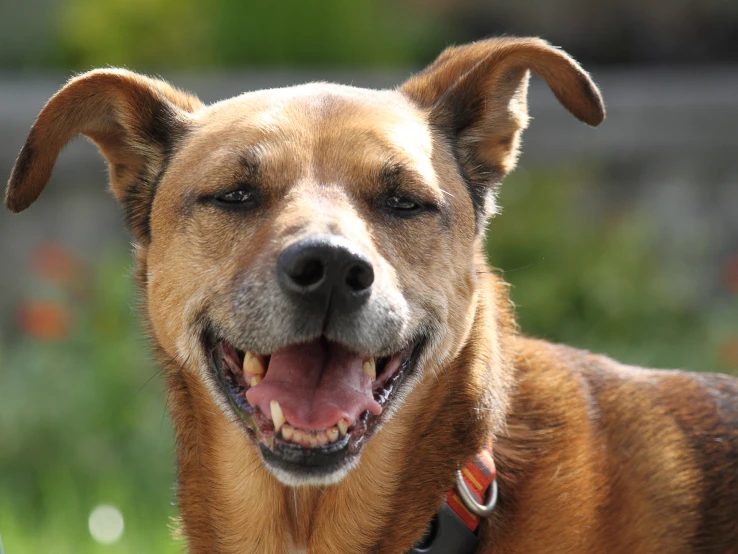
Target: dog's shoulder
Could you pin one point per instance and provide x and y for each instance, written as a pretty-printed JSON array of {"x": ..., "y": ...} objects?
[
  {"x": 542, "y": 367},
  {"x": 629, "y": 440},
  {"x": 559, "y": 385}
]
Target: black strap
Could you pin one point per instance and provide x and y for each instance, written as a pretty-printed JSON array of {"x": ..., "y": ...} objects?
[{"x": 446, "y": 534}]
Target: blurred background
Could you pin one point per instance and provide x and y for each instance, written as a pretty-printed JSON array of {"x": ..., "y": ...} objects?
[{"x": 622, "y": 239}]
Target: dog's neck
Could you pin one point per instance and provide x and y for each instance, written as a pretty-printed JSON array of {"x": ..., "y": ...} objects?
[{"x": 230, "y": 503}]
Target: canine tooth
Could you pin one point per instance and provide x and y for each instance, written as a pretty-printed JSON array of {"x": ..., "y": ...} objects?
[
  {"x": 252, "y": 365},
  {"x": 343, "y": 426},
  {"x": 255, "y": 380},
  {"x": 287, "y": 432},
  {"x": 370, "y": 368},
  {"x": 277, "y": 415},
  {"x": 332, "y": 434}
]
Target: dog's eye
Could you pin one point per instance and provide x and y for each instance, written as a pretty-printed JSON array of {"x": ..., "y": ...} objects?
[
  {"x": 402, "y": 204},
  {"x": 236, "y": 197}
]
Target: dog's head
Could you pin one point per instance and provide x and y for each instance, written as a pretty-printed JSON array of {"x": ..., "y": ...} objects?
[{"x": 310, "y": 252}]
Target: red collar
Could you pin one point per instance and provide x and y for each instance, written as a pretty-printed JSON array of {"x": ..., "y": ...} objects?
[
  {"x": 453, "y": 530},
  {"x": 479, "y": 474}
]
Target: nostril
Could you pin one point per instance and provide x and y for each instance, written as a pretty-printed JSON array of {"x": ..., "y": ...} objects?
[
  {"x": 308, "y": 273},
  {"x": 359, "y": 277},
  {"x": 325, "y": 270}
]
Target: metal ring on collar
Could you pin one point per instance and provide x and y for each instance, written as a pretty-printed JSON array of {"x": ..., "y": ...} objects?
[{"x": 481, "y": 510}]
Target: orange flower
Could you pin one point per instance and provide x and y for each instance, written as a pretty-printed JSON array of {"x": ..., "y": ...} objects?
[
  {"x": 730, "y": 275},
  {"x": 44, "y": 320},
  {"x": 55, "y": 263}
]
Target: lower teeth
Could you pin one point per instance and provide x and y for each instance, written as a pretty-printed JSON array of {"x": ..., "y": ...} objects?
[{"x": 313, "y": 439}]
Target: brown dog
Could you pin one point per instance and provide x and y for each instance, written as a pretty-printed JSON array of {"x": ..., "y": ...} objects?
[{"x": 312, "y": 264}]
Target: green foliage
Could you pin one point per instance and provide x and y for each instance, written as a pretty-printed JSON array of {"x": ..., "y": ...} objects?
[
  {"x": 598, "y": 280},
  {"x": 82, "y": 425},
  {"x": 231, "y": 33},
  {"x": 136, "y": 33}
]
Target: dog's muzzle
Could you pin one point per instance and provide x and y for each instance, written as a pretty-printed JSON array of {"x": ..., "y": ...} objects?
[{"x": 311, "y": 383}]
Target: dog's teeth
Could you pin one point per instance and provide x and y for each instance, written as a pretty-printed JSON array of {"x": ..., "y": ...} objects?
[
  {"x": 277, "y": 415},
  {"x": 252, "y": 365},
  {"x": 332, "y": 434},
  {"x": 304, "y": 438},
  {"x": 343, "y": 426},
  {"x": 255, "y": 380},
  {"x": 370, "y": 368},
  {"x": 287, "y": 432}
]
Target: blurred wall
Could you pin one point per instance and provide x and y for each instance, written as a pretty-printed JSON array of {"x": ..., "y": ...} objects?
[
  {"x": 611, "y": 32},
  {"x": 668, "y": 147}
]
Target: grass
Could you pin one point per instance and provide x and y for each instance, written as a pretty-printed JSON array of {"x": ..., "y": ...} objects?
[{"x": 83, "y": 423}]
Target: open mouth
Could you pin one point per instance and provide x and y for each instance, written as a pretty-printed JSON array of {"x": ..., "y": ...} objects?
[{"x": 311, "y": 406}]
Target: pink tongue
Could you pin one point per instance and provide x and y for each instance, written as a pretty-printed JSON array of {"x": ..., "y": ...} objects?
[{"x": 316, "y": 384}]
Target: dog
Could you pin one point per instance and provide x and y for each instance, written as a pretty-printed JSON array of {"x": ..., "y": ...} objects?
[{"x": 336, "y": 347}]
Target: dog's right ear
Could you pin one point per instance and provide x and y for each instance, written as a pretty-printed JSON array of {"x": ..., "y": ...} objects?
[{"x": 134, "y": 120}]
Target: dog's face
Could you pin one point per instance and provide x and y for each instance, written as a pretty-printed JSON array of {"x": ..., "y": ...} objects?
[
  {"x": 291, "y": 239},
  {"x": 310, "y": 252}
]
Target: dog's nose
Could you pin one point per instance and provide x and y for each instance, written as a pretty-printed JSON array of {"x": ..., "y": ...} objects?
[{"x": 320, "y": 267}]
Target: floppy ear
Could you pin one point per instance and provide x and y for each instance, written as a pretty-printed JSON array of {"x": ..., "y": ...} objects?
[
  {"x": 476, "y": 95},
  {"x": 134, "y": 120}
]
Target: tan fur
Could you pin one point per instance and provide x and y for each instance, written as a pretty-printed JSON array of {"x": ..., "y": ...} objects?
[{"x": 592, "y": 456}]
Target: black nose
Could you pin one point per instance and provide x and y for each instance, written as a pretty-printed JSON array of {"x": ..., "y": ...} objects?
[{"x": 326, "y": 267}]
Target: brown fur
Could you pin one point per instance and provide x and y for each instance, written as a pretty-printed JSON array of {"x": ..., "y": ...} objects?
[{"x": 592, "y": 456}]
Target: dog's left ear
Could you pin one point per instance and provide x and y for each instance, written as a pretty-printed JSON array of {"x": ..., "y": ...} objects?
[
  {"x": 135, "y": 121},
  {"x": 476, "y": 95}
]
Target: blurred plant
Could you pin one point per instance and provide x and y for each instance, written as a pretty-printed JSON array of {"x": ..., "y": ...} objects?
[
  {"x": 595, "y": 279},
  {"x": 45, "y": 320},
  {"x": 731, "y": 275},
  {"x": 82, "y": 417},
  {"x": 228, "y": 33},
  {"x": 141, "y": 33},
  {"x": 63, "y": 277},
  {"x": 57, "y": 265},
  {"x": 729, "y": 349},
  {"x": 729, "y": 353}
]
